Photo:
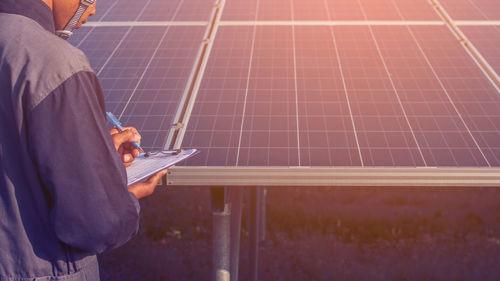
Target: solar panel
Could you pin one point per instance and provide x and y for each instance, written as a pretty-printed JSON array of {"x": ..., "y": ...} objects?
[
  {"x": 100, "y": 43},
  {"x": 321, "y": 10},
  {"x": 472, "y": 9},
  {"x": 154, "y": 102},
  {"x": 143, "y": 72},
  {"x": 396, "y": 10},
  {"x": 156, "y": 10},
  {"x": 397, "y": 96},
  {"x": 79, "y": 35},
  {"x": 292, "y": 83},
  {"x": 486, "y": 39}
]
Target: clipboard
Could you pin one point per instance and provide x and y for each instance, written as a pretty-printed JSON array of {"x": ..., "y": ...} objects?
[{"x": 151, "y": 163}]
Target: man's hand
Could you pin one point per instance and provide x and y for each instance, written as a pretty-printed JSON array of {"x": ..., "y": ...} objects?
[
  {"x": 143, "y": 189},
  {"x": 123, "y": 144}
]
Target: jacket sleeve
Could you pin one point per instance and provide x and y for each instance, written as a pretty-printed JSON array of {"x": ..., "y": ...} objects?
[{"x": 91, "y": 208}]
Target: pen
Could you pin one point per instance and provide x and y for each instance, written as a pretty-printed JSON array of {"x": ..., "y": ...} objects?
[{"x": 118, "y": 125}]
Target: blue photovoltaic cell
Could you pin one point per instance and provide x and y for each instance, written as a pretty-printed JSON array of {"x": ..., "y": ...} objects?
[
  {"x": 326, "y": 132},
  {"x": 243, "y": 10},
  {"x": 321, "y": 10},
  {"x": 384, "y": 136},
  {"x": 158, "y": 10},
  {"x": 389, "y": 96},
  {"x": 79, "y": 35},
  {"x": 473, "y": 94},
  {"x": 195, "y": 10},
  {"x": 395, "y": 10},
  {"x": 143, "y": 72},
  {"x": 487, "y": 40},
  {"x": 269, "y": 133},
  {"x": 155, "y": 101},
  {"x": 216, "y": 119},
  {"x": 472, "y": 9},
  {"x": 102, "y": 7},
  {"x": 123, "y": 70},
  {"x": 99, "y": 43},
  {"x": 439, "y": 125},
  {"x": 178, "y": 10}
]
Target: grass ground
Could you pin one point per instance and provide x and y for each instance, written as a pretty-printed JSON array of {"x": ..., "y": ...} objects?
[{"x": 325, "y": 234}]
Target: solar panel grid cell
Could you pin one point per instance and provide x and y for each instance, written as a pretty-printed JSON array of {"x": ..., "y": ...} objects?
[
  {"x": 158, "y": 10},
  {"x": 242, "y": 10},
  {"x": 126, "y": 10},
  {"x": 215, "y": 122},
  {"x": 192, "y": 10},
  {"x": 79, "y": 35},
  {"x": 326, "y": 131},
  {"x": 439, "y": 131},
  {"x": 380, "y": 9},
  {"x": 465, "y": 86},
  {"x": 285, "y": 10},
  {"x": 385, "y": 137},
  {"x": 123, "y": 70},
  {"x": 100, "y": 43},
  {"x": 472, "y": 9},
  {"x": 415, "y": 10},
  {"x": 102, "y": 7},
  {"x": 344, "y": 10},
  {"x": 274, "y": 10},
  {"x": 271, "y": 92},
  {"x": 487, "y": 40},
  {"x": 309, "y": 10},
  {"x": 157, "y": 95}
]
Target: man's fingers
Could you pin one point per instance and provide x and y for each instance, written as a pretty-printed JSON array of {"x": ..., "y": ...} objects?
[
  {"x": 129, "y": 147},
  {"x": 155, "y": 179},
  {"x": 127, "y": 158},
  {"x": 113, "y": 131},
  {"x": 132, "y": 152},
  {"x": 134, "y": 130},
  {"x": 135, "y": 152},
  {"x": 143, "y": 189},
  {"x": 124, "y": 137}
]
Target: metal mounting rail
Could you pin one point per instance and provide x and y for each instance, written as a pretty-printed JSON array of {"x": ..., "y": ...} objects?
[
  {"x": 334, "y": 176},
  {"x": 181, "y": 119},
  {"x": 467, "y": 44}
]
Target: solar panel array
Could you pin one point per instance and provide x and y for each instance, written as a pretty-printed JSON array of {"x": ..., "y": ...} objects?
[{"x": 305, "y": 82}]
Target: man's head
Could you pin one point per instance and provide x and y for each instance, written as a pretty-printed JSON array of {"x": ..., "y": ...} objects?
[{"x": 64, "y": 10}]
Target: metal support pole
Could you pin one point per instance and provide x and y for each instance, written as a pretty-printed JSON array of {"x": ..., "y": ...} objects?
[
  {"x": 254, "y": 232},
  {"x": 236, "y": 198},
  {"x": 263, "y": 227},
  {"x": 221, "y": 216}
]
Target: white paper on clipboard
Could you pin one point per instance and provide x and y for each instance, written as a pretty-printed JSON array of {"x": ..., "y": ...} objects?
[{"x": 145, "y": 166}]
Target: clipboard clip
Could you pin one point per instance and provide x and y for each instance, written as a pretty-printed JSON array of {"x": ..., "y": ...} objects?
[{"x": 164, "y": 152}]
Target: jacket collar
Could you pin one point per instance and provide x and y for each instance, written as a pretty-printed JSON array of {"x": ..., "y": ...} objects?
[{"x": 33, "y": 9}]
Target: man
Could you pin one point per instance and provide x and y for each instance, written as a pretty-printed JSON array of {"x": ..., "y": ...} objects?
[{"x": 63, "y": 193}]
